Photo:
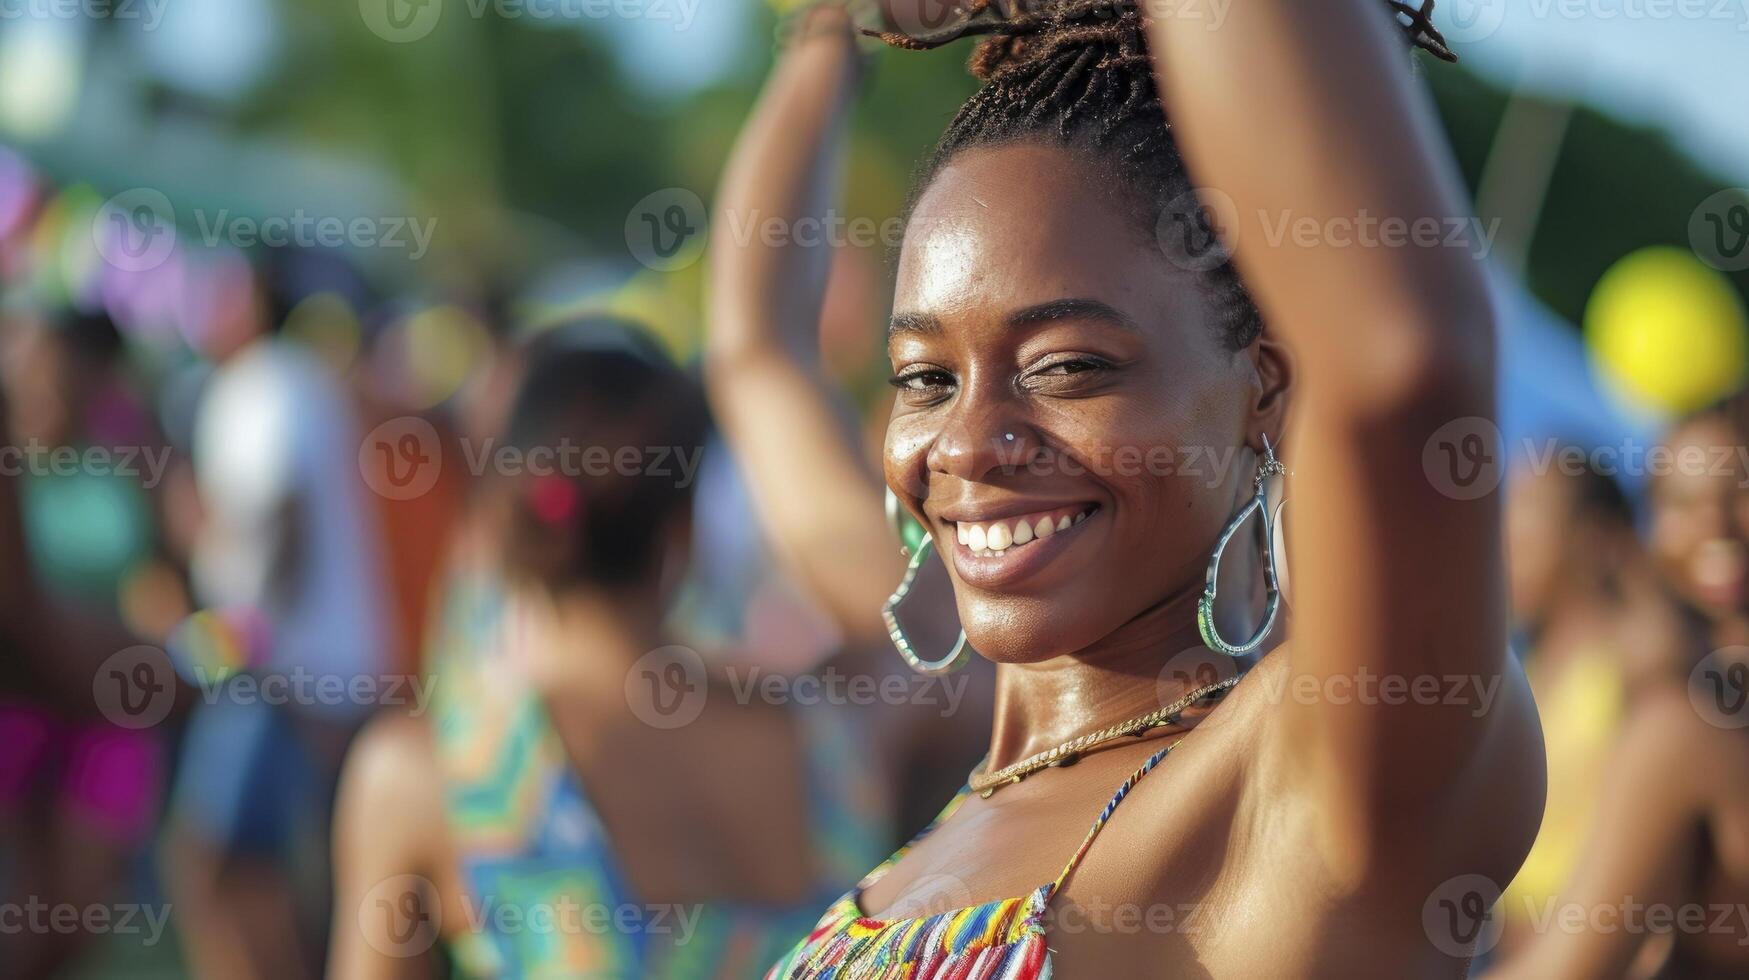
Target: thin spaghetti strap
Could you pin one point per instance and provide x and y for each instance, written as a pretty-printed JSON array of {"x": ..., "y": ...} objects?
[{"x": 1105, "y": 815}]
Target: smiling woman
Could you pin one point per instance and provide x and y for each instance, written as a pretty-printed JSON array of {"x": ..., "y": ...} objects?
[{"x": 1064, "y": 301}]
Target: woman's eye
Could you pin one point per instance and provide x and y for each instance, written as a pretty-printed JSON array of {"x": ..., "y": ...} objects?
[
  {"x": 1073, "y": 366},
  {"x": 1070, "y": 366},
  {"x": 922, "y": 380}
]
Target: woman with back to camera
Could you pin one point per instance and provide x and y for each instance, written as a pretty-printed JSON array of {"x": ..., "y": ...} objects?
[
  {"x": 570, "y": 807},
  {"x": 1050, "y": 328}
]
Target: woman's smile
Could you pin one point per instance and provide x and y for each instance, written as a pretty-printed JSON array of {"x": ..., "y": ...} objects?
[{"x": 998, "y": 552}]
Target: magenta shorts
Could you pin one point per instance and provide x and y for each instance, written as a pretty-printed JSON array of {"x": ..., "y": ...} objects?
[{"x": 100, "y": 774}]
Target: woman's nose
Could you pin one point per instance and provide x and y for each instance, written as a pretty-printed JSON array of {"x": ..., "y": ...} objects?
[{"x": 983, "y": 438}]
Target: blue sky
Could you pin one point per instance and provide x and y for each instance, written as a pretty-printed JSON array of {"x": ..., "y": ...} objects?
[{"x": 1680, "y": 64}]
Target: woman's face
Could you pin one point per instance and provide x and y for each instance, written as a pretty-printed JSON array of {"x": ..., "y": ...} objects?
[
  {"x": 1058, "y": 373},
  {"x": 1700, "y": 519}
]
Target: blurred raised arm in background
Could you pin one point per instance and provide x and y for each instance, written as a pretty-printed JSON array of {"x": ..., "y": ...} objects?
[
  {"x": 819, "y": 500},
  {"x": 774, "y": 405}
]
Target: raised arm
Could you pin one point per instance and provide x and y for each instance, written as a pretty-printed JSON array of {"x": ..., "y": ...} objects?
[
  {"x": 1305, "y": 114},
  {"x": 819, "y": 501}
]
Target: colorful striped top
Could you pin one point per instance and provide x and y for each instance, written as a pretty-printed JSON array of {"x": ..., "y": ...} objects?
[
  {"x": 546, "y": 894},
  {"x": 1001, "y": 940}
]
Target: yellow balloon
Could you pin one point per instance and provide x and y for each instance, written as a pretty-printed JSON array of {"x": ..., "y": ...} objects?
[{"x": 1666, "y": 330}]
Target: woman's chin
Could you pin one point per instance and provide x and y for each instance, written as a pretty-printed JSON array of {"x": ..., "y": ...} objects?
[{"x": 1022, "y": 631}]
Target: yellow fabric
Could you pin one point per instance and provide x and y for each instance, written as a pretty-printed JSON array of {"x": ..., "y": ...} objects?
[{"x": 1582, "y": 705}]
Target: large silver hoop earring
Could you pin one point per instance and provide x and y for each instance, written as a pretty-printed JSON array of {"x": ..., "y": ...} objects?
[
  {"x": 1205, "y": 607},
  {"x": 918, "y": 544}
]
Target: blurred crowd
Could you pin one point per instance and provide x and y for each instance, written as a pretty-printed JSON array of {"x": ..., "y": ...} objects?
[{"x": 249, "y": 505}]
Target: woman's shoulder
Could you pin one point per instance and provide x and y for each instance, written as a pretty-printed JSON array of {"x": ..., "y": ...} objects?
[
  {"x": 392, "y": 771},
  {"x": 1237, "y": 764},
  {"x": 389, "y": 813}
]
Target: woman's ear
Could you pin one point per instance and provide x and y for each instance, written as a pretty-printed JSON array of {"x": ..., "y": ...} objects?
[{"x": 1275, "y": 378}]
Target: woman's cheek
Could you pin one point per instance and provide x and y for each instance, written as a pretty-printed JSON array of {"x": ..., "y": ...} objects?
[{"x": 907, "y": 447}]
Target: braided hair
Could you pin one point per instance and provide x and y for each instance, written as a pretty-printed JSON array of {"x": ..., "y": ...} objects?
[{"x": 1076, "y": 73}]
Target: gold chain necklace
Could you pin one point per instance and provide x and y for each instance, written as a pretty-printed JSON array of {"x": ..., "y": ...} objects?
[{"x": 1068, "y": 753}]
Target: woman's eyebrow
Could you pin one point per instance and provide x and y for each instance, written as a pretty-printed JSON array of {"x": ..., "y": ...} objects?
[
  {"x": 1071, "y": 309},
  {"x": 912, "y": 323},
  {"x": 1057, "y": 309}
]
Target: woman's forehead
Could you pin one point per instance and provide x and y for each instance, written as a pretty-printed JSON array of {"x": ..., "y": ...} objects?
[{"x": 1011, "y": 227}]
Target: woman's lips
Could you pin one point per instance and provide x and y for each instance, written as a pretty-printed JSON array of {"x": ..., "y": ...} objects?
[{"x": 999, "y": 551}]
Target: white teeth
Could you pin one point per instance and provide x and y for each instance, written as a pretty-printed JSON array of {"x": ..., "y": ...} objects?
[
  {"x": 1000, "y": 537},
  {"x": 993, "y": 539}
]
